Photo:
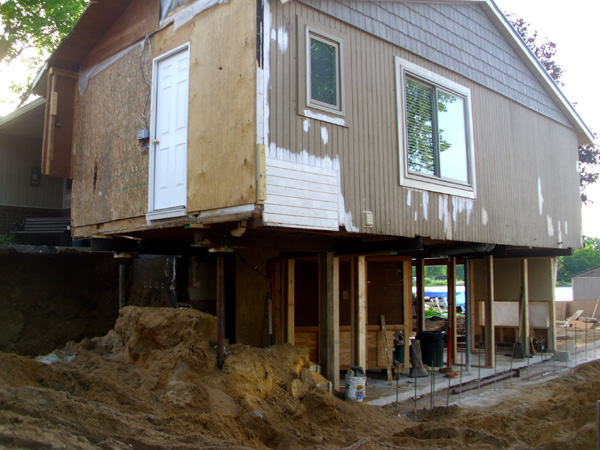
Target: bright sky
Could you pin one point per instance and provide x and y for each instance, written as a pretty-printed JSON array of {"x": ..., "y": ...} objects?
[{"x": 571, "y": 25}]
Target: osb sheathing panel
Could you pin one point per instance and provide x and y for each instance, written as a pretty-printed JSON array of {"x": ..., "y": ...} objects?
[
  {"x": 222, "y": 115},
  {"x": 110, "y": 172}
]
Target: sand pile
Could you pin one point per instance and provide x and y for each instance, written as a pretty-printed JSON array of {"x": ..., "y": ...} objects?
[{"x": 152, "y": 383}]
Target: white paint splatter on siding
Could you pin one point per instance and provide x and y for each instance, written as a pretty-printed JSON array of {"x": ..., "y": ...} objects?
[
  {"x": 540, "y": 196},
  {"x": 484, "y": 217},
  {"x": 282, "y": 39},
  {"x": 560, "y": 235},
  {"x": 444, "y": 215},
  {"x": 550, "y": 225},
  {"x": 425, "y": 205},
  {"x": 566, "y": 227},
  {"x": 416, "y": 216},
  {"x": 459, "y": 205},
  {"x": 306, "y": 124},
  {"x": 409, "y": 197},
  {"x": 324, "y": 135}
]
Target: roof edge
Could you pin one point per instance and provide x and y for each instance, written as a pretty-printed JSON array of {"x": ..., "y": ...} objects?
[{"x": 584, "y": 134}]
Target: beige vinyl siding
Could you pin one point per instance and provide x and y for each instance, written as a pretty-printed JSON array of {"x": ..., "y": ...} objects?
[
  {"x": 514, "y": 146},
  {"x": 17, "y": 157}
]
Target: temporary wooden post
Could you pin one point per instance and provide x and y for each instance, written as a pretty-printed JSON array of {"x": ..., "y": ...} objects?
[
  {"x": 451, "y": 277},
  {"x": 407, "y": 300},
  {"x": 220, "y": 310},
  {"x": 290, "y": 304},
  {"x": 490, "y": 347},
  {"x": 330, "y": 317},
  {"x": 552, "y": 308},
  {"x": 420, "y": 266},
  {"x": 359, "y": 300},
  {"x": 525, "y": 305}
]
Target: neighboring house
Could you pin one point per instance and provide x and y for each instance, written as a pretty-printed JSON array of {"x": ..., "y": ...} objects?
[
  {"x": 330, "y": 146},
  {"x": 586, "y": 284},
  {"x": 24, "y": 190}
]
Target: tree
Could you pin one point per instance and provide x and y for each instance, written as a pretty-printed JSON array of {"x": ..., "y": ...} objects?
[
  {"x": 589, "y": 155},
  {"x": 581, "y": 260},
  {"x": 35, "y": 24}
]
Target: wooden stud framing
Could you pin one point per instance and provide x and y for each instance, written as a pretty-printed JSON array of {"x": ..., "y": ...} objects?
[
  {"x": 289, "y": 310},
  {"x": 490, "y": 347},
  {"x": 451, "y": 277},
  {"x": 473, "y": 304},
  {"x": 420, "y": 265},
  {"x": 407, "y": 302},
  {"x": 220, "y": 310},
  {"x": 525, "y": 305}
]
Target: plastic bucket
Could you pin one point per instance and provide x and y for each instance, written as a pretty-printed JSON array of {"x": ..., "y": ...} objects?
[
  {"x": 432, "y": 345},
  {"x": 356, "y": 388}
]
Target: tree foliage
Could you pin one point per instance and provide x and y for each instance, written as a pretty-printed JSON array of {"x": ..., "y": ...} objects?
[
  {"x": 581, "y": 260},
  {"x": 39, "y": 24},
  {"x": 589, "y": 155}
]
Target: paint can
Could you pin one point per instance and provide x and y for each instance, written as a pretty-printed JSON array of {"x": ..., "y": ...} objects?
[{"x": 356, "y": 384}]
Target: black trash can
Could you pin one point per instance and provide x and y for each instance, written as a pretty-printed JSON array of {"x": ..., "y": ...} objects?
[{"x": 432, "y": 343}]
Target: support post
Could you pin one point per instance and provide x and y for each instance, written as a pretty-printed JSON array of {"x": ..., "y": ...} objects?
[
  {"x": 525, "y": 305},
  {"x": 360, "y": 311},
  {"x": 451, "y": 277},
  {"x": 220, "y": 310},
  {"x": 490, "y": 347},
  {"x": 408, "y": 301},
  {"x": 468, "y": 311},
  {"x": 121, "y": 284},
  {"x": 290, "y": 303},
  {"x": 330, "y": 317},
  {"x": 420, "y": 272},
  {"x": 552, "y": 308}
]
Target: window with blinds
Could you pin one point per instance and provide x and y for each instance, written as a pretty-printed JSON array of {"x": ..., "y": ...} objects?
[{"x": 436, "y": 131}]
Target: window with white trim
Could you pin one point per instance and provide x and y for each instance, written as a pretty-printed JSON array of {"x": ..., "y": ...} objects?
[
  {"x": 435, "y": 131},
  {"x": 324, "y": 72}
]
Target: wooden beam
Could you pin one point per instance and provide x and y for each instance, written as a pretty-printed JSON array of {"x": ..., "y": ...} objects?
[
  {"x": 552, "y": 307},
  {"x": 451, "y": 277},
  {"x": 474, "y": 311},
  {"x": 359, "y": 299},
  {"x": 290, "y": 304},
  {"x": 525, "y": 304},
  {"x": 330, "y": 317},
  {"x": 407, "y": 308},
  {"x": 490, "y": 347},
  {"x": 420, "y": 265},
  {"x": 220, "y": 310}
]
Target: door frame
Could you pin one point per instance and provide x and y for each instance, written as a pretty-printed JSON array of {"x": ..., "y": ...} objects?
[{"x": 170, "y": 212}]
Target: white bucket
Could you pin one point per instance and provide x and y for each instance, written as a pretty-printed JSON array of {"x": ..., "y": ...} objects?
[{"x": 356, "y": 388}]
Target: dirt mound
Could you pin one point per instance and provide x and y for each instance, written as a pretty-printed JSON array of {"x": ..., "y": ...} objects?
[{"x": 152, "y": 383}]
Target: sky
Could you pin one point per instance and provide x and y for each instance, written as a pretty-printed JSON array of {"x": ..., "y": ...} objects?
[{"x": 571, "y": 25}]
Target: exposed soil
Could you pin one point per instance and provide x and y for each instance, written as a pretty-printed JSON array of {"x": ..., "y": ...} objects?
[{"x": 152, "y": 383}]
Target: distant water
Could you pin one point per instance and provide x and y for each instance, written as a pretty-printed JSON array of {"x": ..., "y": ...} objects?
[{"x": 563, "y": 294}]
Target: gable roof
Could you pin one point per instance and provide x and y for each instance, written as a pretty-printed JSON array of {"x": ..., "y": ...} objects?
[
  {"x": 594, "y": 272},
  {"x": 101, "y": 14}
]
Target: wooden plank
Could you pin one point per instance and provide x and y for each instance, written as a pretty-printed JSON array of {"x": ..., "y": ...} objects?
[
  {"x": 451, "y": 277},
  {"x": 407, "y": 303},
  {"x": 490, "y": 345},
  {"x": 387, "y": 350},
  {"x": 525, "y": 305},
  {"x": 420, "y": 265},
  {"x": 552, "y": 306},
  {"x": 329, "y": 317},
  {"x": 290, "y": 287},
  {"x": 360, "y": 299},
  {"x": 139, "y": 19}
]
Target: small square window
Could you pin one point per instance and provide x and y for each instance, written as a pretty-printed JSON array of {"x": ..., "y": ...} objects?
[
  {"x": 436, "y": 132},
  {"x": 324, "y": 73}
]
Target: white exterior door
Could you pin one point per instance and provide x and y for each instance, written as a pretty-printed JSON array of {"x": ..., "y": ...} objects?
[{"x": 171, "y": 131}]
